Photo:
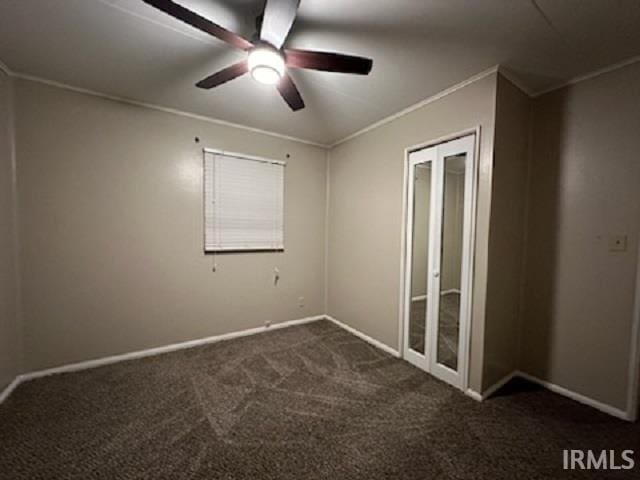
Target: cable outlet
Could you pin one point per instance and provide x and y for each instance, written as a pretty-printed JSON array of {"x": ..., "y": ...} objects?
[{"x": 300, "y": 302}]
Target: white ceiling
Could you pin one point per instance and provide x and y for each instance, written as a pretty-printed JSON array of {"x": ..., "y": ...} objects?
[{"x": 127, "y": 49}]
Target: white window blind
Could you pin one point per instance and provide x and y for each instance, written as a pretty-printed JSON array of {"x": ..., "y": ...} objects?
[{"x": 243, "y": 202}]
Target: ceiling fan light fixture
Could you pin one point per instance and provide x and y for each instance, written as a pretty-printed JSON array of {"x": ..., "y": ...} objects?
[
  {"x": 266, "y": 65},
  {"x": 265, "y": 54}
]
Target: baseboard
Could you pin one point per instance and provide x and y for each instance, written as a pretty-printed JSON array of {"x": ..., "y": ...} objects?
[
  {"x": 473, "y": 394},
  {"x": 498, "y": 385},
  {"x": 492, "y": 389},
  {"x": 365, "y": 337},
  {"x": 10, "y": 388},
  {"x": 418, "y": 298},
  {"x": 98, "y": 362},
  {"x": 616, "y": 412},
  {"x": 603, "y": 407}
]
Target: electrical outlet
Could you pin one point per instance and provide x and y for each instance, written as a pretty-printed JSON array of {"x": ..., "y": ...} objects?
[
  {"x": 618, "y": 243},
  {"x": 267, "y": 323},
  {"x": 300, "y": 302}
]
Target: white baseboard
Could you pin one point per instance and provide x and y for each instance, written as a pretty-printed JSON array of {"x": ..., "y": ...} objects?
[
  {"x": 603, "y": 407},
  {"x": 366, "y": 338},
  {"x": 418, "y": 298},
  {"x": 616, "y": 412},
  {"x": 10, "y": 388},
  {"x": 499, "y": 384},
  {"x": 473, "y": 394},
  {"x": 492, "y": 389},
  {"x": 98, "y": 362}
]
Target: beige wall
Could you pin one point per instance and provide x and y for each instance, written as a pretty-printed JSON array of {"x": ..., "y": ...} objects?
[
  {"x": 506, "y": 236},
  {"x": 365, "y": 214},
  {"x": 111, "y": 227},
  {"x": 10, "y": 329},
  {"x": 585, "y": 187}
]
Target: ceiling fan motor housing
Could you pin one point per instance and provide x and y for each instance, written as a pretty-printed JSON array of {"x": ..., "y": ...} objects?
[{"x": 266, "y": 63}]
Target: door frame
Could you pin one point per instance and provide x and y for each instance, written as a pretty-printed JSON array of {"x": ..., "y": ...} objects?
[{"x": 405, "y": 268}]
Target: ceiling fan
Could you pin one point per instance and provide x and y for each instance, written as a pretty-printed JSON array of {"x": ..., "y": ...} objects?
[{"x": 267, "y": 60}]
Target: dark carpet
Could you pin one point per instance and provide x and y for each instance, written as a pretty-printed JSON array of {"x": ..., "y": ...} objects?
[{"x": 307, "y": 402}]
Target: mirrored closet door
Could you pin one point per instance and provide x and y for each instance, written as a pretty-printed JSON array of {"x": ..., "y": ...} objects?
[{"x": 439, "y": 233}]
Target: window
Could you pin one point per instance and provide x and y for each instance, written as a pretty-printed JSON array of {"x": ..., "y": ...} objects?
[{"x": 243, "y": 202}]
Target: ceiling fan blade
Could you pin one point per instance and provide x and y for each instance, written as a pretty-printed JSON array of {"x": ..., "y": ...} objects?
[
  {"x": 328, "y": 61},
  {"x": 290, "y": 93},
  {"x": 223, "y": 76},
  {"x": 201, "y": 23},
  {"x": 278, "y": 19}
]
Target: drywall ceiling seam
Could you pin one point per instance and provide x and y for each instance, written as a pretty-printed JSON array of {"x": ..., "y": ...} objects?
[
  {"x": 160, "y": 108},
  {"x": 157, "y": 23}
]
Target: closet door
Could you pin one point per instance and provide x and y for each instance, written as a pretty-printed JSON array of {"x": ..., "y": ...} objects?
[
  {"x": 450, "y": 284},
  {"x": 421, "y": 195},
  {"x": 439, "y": 228}
]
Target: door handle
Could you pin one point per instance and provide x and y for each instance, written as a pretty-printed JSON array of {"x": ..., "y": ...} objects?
[{"x": 436, "y": 274}]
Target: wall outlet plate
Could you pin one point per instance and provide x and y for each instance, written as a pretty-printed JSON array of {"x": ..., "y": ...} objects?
[{"x": 618, "y": 243}]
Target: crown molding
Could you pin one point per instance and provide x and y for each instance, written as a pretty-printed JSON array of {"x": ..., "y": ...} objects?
[
  {"x": 160, "y": 108},
  {"x": 419, "y": 105},
  {"x": 513, "y": 79},
  {"x": 505, "y": 72},
  {"x": 588, "y": 76}
]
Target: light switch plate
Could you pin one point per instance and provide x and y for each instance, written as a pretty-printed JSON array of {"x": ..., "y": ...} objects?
[{"x": 618, "y": 243}]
